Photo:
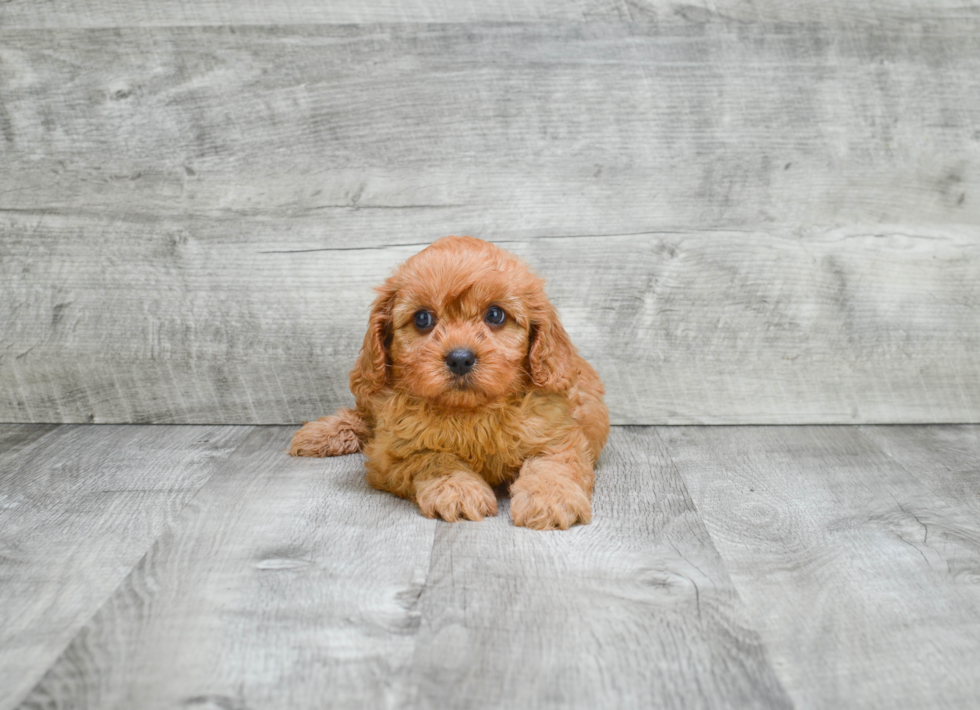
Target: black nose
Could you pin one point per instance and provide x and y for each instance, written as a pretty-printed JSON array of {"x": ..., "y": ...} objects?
[{"x": 461, "y": 361}]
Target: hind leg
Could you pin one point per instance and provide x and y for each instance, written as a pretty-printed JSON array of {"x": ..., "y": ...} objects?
[
  {"x": 589, "y": 410},
  {"x": 336, "y": 435}
]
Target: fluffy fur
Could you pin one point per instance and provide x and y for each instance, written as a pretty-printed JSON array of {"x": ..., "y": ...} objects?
[{"x": 530, "y": 412}]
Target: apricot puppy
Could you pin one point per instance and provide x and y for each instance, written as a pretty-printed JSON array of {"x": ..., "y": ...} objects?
[{"x": 467, "y": 380}]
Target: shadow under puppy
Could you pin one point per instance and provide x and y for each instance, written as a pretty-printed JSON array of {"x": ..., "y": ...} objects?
[{"x": 467, "y": 380}]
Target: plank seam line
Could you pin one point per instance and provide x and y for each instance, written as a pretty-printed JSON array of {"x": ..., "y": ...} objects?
[
  {"x": 110, "y": 595},
  {"x": 528, "y": 240},
  {"x": 415, "y": 687},
  {"x": 893, "y": 21},
  {"x": 724, "y": 564},
  {"x": 86, "y": 623}
]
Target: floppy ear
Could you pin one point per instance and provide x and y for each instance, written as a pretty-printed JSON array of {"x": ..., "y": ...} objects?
[
  {"x": 370, "y": 372},
  {"x": 551, "y": 352}
]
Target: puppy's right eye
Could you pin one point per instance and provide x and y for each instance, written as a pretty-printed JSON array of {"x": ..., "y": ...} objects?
[{"x": 424, "y": 320}]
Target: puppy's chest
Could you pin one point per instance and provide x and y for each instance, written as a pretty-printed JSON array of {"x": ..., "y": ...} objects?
[
  {"x": 488, "y": 440},
  {"x": 494, "y": 441}
]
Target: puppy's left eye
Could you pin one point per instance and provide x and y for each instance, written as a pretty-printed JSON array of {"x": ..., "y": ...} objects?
[
  {"x": 495, "y": 315},
  {"x": 424, "y": 320}
]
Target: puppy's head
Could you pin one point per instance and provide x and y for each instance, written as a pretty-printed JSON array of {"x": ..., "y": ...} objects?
[{"x": 463, "y": 323}]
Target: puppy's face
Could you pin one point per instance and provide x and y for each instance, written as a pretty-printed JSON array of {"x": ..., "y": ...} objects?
[
  {"x": 462, "y": 323},
  {"x": 461, "y": 341}
]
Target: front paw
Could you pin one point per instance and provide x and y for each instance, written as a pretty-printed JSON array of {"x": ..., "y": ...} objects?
[
  {"x": 329, "y": 436},
  {"x": 461, "y": 495},
  {"x": 548, "y": 502}
]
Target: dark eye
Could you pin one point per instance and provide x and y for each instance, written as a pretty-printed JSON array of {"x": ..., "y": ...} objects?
[
  {"x": 424, "y": 320},
  {"x": 495, "y": 315}
]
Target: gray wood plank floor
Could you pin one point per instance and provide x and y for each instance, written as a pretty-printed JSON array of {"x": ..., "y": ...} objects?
[
  {"x": 78, "y": 508},
  {"x": 201, "y": 567},
  {"x": 863, "y": 581}
]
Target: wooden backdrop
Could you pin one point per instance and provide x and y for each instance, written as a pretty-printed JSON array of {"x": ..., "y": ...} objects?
[{"x": 758, "y": 212}]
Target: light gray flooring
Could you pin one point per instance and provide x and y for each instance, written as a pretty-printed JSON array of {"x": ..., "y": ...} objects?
[{"x": 201, "y": 567}]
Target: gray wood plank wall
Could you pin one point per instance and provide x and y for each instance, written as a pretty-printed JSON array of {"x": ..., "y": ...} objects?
[
  {"x": 123, "y": 13},
  {"x": 763, "y": 214}
]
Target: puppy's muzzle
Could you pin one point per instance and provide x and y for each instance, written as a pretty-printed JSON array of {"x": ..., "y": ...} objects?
[{"x": 460, "y": 361}]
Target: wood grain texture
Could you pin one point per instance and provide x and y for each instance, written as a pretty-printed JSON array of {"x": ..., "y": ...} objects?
[
  {"x": 153, "y": 176},
  {"x": 946, "y": 460},
  {"x": 635, "y": 610},
  {"x": 725, "y": 567},
  {"x": 833, "y": 13},
  {"x": 16, "y": 437},
  {"x": 517, "y": 129},
  {"x": 291, "y": 579},
  {"x": 165, "y": 13},
  {"x": 861, "y": 579},
  {"x": 285, "y": 583},
  {"x": 78, "y": 509},
  {"x": 123, "y": 13},
  {"x": 832, "y": 326}
]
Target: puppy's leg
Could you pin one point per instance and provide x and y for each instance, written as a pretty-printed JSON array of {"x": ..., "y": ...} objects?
[
  {"x": 554, "y": 490},
  {"x": 441, "y": 484},
  {"x": 342, "y": 433},
  {"x": 460, "y": 495},
  {"x": 589, "y": 411}
]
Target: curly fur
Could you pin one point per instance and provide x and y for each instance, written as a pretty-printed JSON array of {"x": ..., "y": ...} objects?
[{"x": 530, "y": 413}]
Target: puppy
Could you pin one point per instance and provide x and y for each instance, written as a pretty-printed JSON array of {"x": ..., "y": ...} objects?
[{"x": 467, "y": 380}]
